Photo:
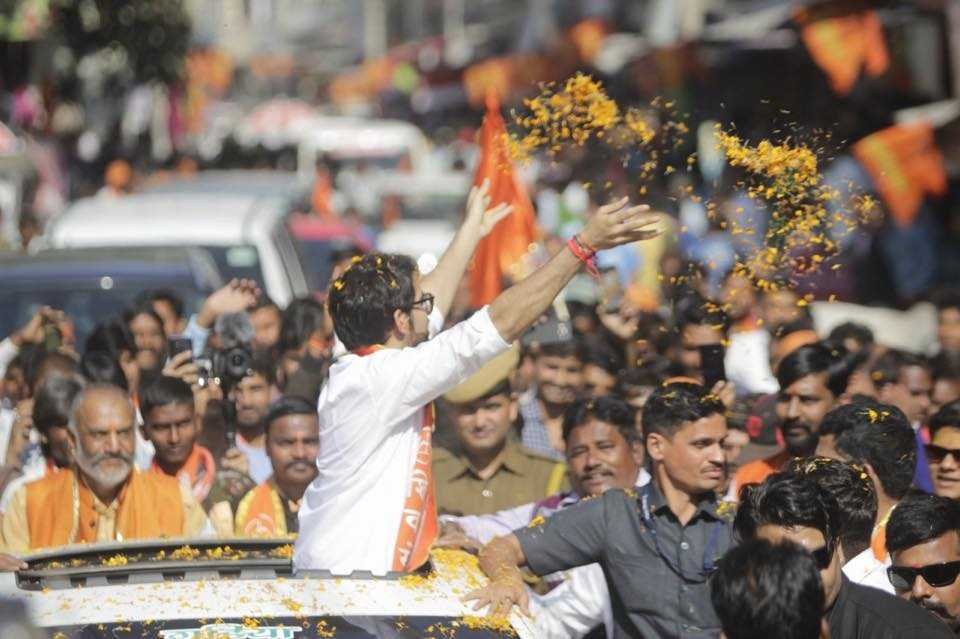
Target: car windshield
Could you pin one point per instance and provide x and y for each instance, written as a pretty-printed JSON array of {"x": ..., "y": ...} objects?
[{"x": 242, "y": 262}]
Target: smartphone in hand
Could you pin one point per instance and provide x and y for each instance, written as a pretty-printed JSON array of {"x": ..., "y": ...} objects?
[
  {"x": 177, "y": 345},
  {"x": 711, "y": 364}
]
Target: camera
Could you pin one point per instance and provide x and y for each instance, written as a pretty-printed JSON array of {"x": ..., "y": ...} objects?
[{"x": 228, "y": 366}]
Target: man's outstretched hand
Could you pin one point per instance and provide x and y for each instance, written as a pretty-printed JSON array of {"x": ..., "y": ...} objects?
[
  {"x": 236, "y": 296},
  {"x": 501, "y": 595},
  {"x": 479, "y": 211},
  {"x": 619, "y": 223}
]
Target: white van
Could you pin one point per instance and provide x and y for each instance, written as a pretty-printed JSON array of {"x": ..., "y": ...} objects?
[{"x": 244, "y": 233}]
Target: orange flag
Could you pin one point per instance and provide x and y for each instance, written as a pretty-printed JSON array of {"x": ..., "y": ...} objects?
[
  {"x": 905, "y": 165},
  {"x": 845, "y": 45},
  {"x": 501, "y": 251}
]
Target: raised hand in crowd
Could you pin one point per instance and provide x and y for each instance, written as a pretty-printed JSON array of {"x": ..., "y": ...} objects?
[
  {"x": 183, "y": 367},
  {"x": 726, "y": 392},
  {"x": 237, "y": 295},
  {"x": 479, "y": 212},
  {"x": 35, "y": 330},
  {"x": 234, "y": 459}
]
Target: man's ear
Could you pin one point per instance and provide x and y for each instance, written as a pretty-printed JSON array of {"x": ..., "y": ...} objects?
[
  {"x": 401, "y": 324},
  {"x": 657, "y": 446}
]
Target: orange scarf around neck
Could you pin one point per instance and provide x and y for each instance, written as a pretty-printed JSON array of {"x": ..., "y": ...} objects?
[{"x": 199, "y": 471}]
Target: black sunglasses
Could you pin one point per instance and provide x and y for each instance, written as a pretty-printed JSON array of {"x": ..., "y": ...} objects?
[
  {"x": 822, "y": 556},
  {"x": 936, "y": 454},
  {"x": 937, "y": 575}
]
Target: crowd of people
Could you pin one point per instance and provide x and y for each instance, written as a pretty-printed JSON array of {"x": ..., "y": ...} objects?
[{"x": 714, "y": 465}]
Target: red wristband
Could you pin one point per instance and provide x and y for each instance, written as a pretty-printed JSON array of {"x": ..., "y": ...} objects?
[{"x": 585, "y": 255}]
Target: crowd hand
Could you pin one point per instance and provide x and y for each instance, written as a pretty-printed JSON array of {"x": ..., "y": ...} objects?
[
  {"x": 9, "y": 563},
  {"x": 480, "y": 212},
  {"x": 619, "y": 323},
  {"x": 33, "y": 331},
  {"x": 238, "y": 295},
  {"x": 619, "y": 223},
  {"x": 235, "y": 460},
  {"x": 453, "y": 536},
  {"x": 501, "y": 595},
  {"x": 726, "y": 392},
  {"x": 183, "y": 367}
]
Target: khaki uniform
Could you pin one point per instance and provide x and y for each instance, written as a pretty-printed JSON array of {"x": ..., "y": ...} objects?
[{"x": 523, "y": 477}]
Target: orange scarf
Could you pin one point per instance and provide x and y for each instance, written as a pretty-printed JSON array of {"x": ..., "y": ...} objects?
[
  {"x": 418, "y": 524},
  {"x": 198, "y": 471},
  {"x": 260, "y": 513},
  {"x": 878, "y": 544},
  {"x": 61, "y": 510}
]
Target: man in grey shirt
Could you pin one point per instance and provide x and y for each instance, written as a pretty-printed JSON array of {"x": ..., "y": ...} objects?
[{"x": 657, "y": 547}]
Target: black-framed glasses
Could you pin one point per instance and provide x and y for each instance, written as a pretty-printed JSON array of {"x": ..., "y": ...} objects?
[
  {"x": 425, "y": 303},
  {"x": 822, "y": 556},
  {"x": 937, "y": 575},
  {"x": 936, "y": 454}
]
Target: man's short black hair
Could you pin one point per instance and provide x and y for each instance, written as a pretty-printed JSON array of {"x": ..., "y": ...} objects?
[
  {"x": 650, "y": 373},
  {"x": 143, "y": 309},
  {"x": 879, "y": 435},
  {"x": 859, "y": 333},
  {"x": 609, "y": 409},
  {"x": 853, "y": 489},
  {"x": 286, "y": 406},
  {"x": 692, "y": 309},
  {"x": 946, "y": 365},
  {"x": 262, "y": 364},
  {"x": 920, "y": 518},
  {"x": 363, "y": 299},
  {"x": 160, "y": 390},
  {"x": 41, "y": 362},
  {"x": 671, "y": 406},
  {"x": 788, "y": 501},
  {"x": 598, "y": 352},
  {"x": 53, "y": 401},
  {"x": 762, "y": 590},
  {"x": 162, "y": 295},
  {"x": 564, "y": 348},
  {"x": 302, "y": 317},
  {"x": 263, "y": 301},
  {"x": 813, "y": 359},
  {"x": 112, "y": 337},
  {"x": 948, "y": 415},
  {"x": 101, "y": 367},
  {"x": 887, "y": 368}
]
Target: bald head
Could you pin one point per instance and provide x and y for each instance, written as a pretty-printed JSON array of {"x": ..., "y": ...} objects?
[{"x": 102, "y": 431}]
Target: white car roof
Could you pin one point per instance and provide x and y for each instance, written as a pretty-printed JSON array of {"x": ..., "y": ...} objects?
[{"x": 166, "y": 219}]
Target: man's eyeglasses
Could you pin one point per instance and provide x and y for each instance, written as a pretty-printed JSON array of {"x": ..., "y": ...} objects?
[
  {"x": 937, "y": 575},
  {"x": 425, "y": 303},
  {"x": 936, "y": 454},
  {"x": 822, "y": 557}
]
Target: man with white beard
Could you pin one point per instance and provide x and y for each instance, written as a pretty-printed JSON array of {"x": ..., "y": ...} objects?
[{"x": 104, "y": 499}]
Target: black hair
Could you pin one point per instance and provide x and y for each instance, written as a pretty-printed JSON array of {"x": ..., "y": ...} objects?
[
  {"x": 761, "y": 590},
  {"x": 101, "y": 367},
  {"x": 920, "y": 518},
  {"x": 53, "y": 401},
  {"x": 946, "y": 365},
  {"x": 263, "y": 301},
  {"x": 947, "y": 298},
  {"x": 598, "y": 352},
  {"x": 879, "y": 435},
  {"x": 652, "y": 372},
  {"x": 802, "y": 323},
  {"x": 41, "y": 361},
  {"x": 813, "y": 359},
  {"x": 301, "y": 318},
  {"x": 859, "y": 333},
  {"x": 286, "y": 406},
  {"x": 566, "y": 348},
  {"x": 161, "y": 390},
  {"x": 143, "y": 309},
  {"x": 886, "y": 370},
  {"x": 692, "y": 309},
  {"x": 262, "y": 364},
  {"x": 161, "y": 295},
  {"x": 363, "y": 299},
  {"x": 853, "y": 489},
  {"x": 672, "y": 405},
  {"x": 788, "y": 501},
  {"x": 947, "y": 416},
  {"x": 609, "y": 409},
  {"x": 111, "y": 336}
]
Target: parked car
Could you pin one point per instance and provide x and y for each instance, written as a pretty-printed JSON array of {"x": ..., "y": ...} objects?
[
  {"x": 243, "y": 589},
  {"x": 92, "y": 283},
  {"x": 244, "y": 233}
]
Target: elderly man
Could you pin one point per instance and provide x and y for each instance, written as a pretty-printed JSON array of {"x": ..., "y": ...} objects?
[
  {"x": 292, "y": 443},
  {"x": 105, "y": 499}
]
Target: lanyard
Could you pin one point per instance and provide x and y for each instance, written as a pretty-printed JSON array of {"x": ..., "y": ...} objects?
[{"x": 707, "y": 564}]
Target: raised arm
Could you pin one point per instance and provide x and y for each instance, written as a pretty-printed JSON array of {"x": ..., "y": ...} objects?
[
  {"x": 518, "y": 307},
  {"x": 443, "y": 281}
]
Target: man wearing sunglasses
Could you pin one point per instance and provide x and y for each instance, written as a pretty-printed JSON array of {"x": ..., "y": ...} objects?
[
  {"x": 796, "y": 509},
  {"x": 372, "y": 505},
  {"x": 943, "y": 451},
  {"x": 923, "y": 538}
]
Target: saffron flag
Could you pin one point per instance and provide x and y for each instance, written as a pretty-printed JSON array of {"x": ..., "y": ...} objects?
[
  {"x": 843, "y": 46},
  {"x": 502, "y": 251},
  {"x": 905, "y": 165}
]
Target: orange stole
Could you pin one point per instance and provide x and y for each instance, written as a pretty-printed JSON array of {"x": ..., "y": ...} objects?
[
  {"x": 199, "y": 469},
  {"x": 260, "y": 513},
  {"x": 59, "y": 505}
]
